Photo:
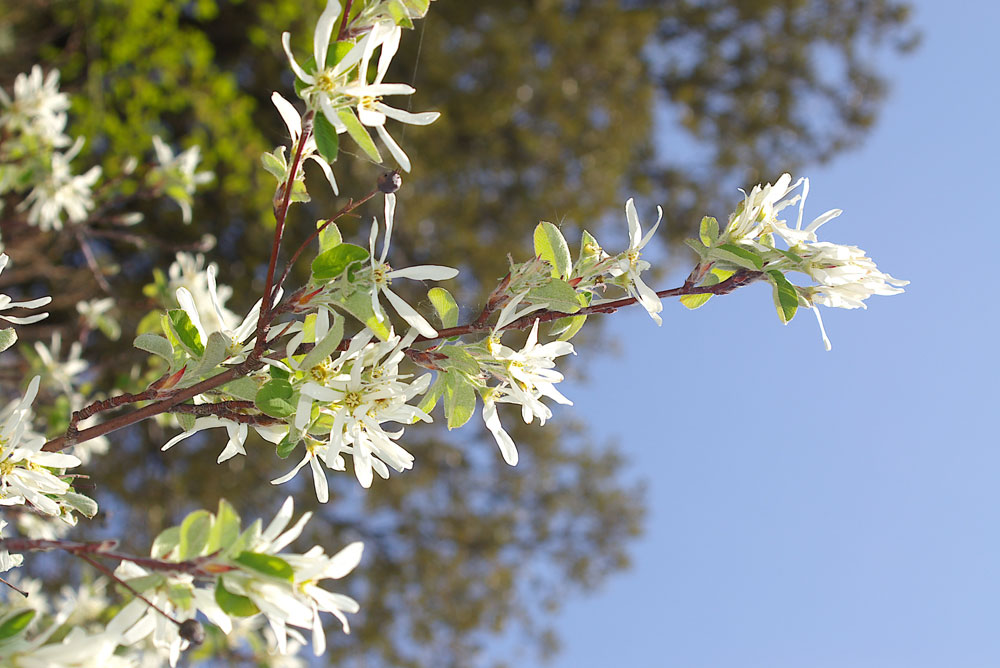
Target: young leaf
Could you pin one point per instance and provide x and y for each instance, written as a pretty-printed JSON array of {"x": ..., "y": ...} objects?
[
  {"x": 276, "y": 398},
  {"x": 550, "y": 245},
  {"x": 327, "y": 140},
  {"x": 458, "y": 358},
  {"x": 225, "y": 529},
  {"x": 15, "y": 623},
  {"x": 166, "y": 542},
  {"x": 445, "y": 306},
  {"x": 234, "y": 604},
  {"x": 709, "y": 230},
  {"x": 268, "y": 564},
  {"x": 359, "y": 134},
  {"x": 155, "y": 344},
  {"x": 557, "y": 294},
  {"x": 7, "y": 338},
  {"x": 459, "y": 399},
  {"x": 325, "y": 348},
  {"x": 330, "y": 264},
  {"x": 287, "y": 445},
  {"x": 737, "y": 255},
  {"x": 81, "y": 503},
  {"x": 185, "y": 331},
  {"x": 786, "y": 298},
  {"x": 359, "y": 304},
  {"x": 194, "y": 534},
  {"x": 329, "y": 236}
]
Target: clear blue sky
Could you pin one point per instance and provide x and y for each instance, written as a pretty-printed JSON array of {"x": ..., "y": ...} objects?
[{"x": 841, "y": 508}]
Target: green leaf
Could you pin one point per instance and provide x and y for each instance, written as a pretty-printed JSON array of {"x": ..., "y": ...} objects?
[
  {"x": 359, "y": 134},
  {"x": 567, "y": 328},
  {"x": 194, "y": 534},
  {"x": 247, "y": 538},
  {"x": 551, "y": 246},
  {"x": 444, "y": 305},
  {"x": 430, "y": 399},
  {"x": 225, "y": 529},
  {"x": 708, "y": 232},
  {"x": 277, "y": 373},
  {"x": 589, "y": 248},
  {"x": 81, "y": 503},
  {"x": 155, "y": 344},
  {"x": 186, "y": 421},
  {"x": 166, "y": 542},
  {"x": 459, "y": 399},
  {"x": 16, "y": 623},
  {"x": 417, "y": 8},
  {"x": 288, "y": 444},
  {"x": 7, "y": 338},
  {"x": 457, "y": 358},
  {"x": 790, "y": 255},
  {"x": 557, "y": 294},
  {"x": 234, "y": 604},
  {"x": 336, "y": 52},
  {"x": 327, "y": 140},
  {"x": 241, "y": 388},
  {"x": 697, "y": 247},
  {"x": 185, "y": 331},
  {"x": 329, "y": 236},
  {"x": 359, "y": 304},
  {"x": 331, "y": 264},
  {"x": 216, "y": 351},
  {"x": 276, "y": 398},
  {"x": 786, "y": 297},
  {"x": 325, "y": 348},
  {"x": 268, "y": 564},
  {"x": 737, "y": 255},
  {"x": 697, "y": 301}
]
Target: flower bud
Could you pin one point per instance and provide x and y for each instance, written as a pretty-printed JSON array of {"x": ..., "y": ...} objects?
[{"x": 389, "y": 182}]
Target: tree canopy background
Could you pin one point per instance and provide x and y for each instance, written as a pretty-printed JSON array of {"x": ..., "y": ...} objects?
[{"x": 551, "y": 109}]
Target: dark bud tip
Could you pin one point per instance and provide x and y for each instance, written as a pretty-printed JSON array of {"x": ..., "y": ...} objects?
[
  {"x": 192, "y": 631},
  {"x": 389, "y": 182}
]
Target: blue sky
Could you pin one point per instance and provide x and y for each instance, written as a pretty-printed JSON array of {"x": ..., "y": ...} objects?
[{"x": 827, "y": 509}]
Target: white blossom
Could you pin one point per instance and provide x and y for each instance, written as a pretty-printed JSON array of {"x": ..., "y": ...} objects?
[
  {"x": 383, "y": 275},
  {"x": 60, "y": 192},
  {"x": 176, "y": 174},
  {"x": 631, "y": 266},
  {"x": 309, "y": 152},
  {"x": 24, "y": 468},
  {"x": 332, "y": 91},
  {"x": 37, "y": 109}
]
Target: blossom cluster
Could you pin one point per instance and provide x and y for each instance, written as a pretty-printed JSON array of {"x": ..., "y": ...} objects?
[{"x": 333, "y": 372}]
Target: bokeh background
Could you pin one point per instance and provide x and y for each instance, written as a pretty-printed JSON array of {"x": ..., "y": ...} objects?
[{"x": 724, "y": 492}]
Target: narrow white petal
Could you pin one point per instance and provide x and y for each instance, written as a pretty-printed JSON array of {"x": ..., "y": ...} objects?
[
  {"x": 288, "y": 114},
  {"x": 394, "y": 148},
  {"x": 409, "y": 314},
  {"x": 389, "y": 47},
  {"x": 634, "y": 231},
  {"x": 324, "y": 28},
  {"x": 345, "y": 561},
  {"x": 425, "y": 272},
  {"x": 422, "y": 118},
  {"x": 299, "y": 72}
]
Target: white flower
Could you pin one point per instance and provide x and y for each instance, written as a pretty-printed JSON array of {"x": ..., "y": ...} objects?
[
  {"x": 7, "y": 303},
  {"x": 760, "y": 207},
  {"x": 188, "y": 271},
  {"x": 96, "y": 314},
  {"x": 631, "y": 266},
  {"x": 240, "y": 334},
  {"x": 361, "y": 389},
  {"x": 62, "y": 372},
  {"x": 367, "y": 97},
  {"x": 24, "y": 468},
  {"x": 527, "y": 376},
  {"x": 61, "y": 192},
  {"x": 309, "y": 152},
  {"x": 176, "y": 174},
  {"x": 299, "y": 603},
  {"x": 38, "y": 108},
  {"x": 330, "y": 90},
  {"x": 383, "y": 274}
]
